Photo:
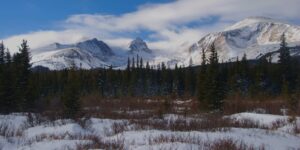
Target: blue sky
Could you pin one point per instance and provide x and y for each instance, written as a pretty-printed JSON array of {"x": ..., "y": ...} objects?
[
  {"x": 164, "y": 24},
  {"x": 29, "y": 15}
]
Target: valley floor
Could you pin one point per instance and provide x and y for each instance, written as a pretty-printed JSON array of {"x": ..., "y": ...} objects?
[{"x": 248, "y": 130}]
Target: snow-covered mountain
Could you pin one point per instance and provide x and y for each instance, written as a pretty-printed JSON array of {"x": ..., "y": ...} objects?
[
  {"x": 96, "y": 48},
  {"x": 138, "y": 49},
  {"x": 87, "y": 54},
  {"x": 138, "y": 46},
  {"x": 254, "y": 36}
]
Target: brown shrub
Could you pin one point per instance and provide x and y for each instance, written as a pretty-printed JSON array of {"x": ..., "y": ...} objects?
[{"x": 237, "y": 104}]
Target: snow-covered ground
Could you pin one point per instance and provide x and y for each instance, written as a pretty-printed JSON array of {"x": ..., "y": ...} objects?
[{"x": 20, "y": 132}]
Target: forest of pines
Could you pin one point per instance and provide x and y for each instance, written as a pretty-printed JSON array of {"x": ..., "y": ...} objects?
[{"x": 23, "y": 89}]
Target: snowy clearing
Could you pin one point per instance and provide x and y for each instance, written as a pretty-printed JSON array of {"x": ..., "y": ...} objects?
[{"x": 271, "y": 132}]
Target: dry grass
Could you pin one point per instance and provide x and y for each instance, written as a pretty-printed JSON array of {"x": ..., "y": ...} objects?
[
  {"x": 145, "y": 114},
  {"x": 211, "y": 122},
  {"x": 138, "y": 108},
  {"x": 237, "y": 104},
  {"x": 149, "y": 114},
  {"x": 229, "y": 144},
  {"x": 6, "y": 131},
  {"x": 219, "y": 144},
  {"x": 98, "y": 143}
]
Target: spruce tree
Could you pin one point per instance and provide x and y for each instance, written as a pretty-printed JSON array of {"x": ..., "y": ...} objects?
[
  {"x": 9, "y": 102},
  {"x": 2, "y": 77},
  {"x": 141, "y": 63},
  {"x": 294, "y": 99},
  {"x": 244, "y": 75},
  {"x": 70, "y": 96},
  {"x": 133, "y": 63},
  {"x": 285, "y": 64},
  {"x": 6, "y": 83},
  {"x": 101, "y": 82},
  {"x": 128, "y": 64},
  {"x": 190, "y": 80},
  {"x": 201, "y": 79},
  {"x": 28, "y": 103},
  {"x": 2, "y": 53},
  {"x": 284, "y": 53},
  {"x": 284, "y": 57},
  {"x": 214, "y": 95},
  {"x": 21, "y": 66},
  {"x": 147, "y": 65},
  {"x": 137, "y": 61}
]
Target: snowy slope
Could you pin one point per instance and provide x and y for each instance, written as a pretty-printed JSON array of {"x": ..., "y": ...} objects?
[
  {"x": 67, "y": 134},
  {"x": 254, "y": 36},
  {"x": 90, "y": 54},
  {"x": 87, "y": 54}
]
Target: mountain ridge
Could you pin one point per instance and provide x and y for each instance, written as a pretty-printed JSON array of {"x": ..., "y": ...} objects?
[{"x": 253, "y": 36}]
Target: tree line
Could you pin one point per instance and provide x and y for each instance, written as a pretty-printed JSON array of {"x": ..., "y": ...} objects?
[
  {"x": 15, "y": 87},
  {"x": 22, "y": 89}
]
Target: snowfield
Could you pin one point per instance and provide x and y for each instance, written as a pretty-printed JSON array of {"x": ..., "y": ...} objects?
[{"x": 24, "y": 132}]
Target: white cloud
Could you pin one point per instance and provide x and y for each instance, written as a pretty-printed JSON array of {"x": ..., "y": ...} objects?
[{"x": 168, "y": 23}]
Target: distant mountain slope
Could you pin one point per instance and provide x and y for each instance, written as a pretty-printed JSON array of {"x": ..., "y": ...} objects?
[
  {"x": 254, "y": 36},
  {"x": 88, "y": 54}
]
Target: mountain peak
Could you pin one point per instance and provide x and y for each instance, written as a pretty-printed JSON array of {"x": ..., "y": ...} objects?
[
  {"x": 261, "y": 19},
  {"x": 254, "y": 20},
  {"x": 96, "y": 47},
  {"x": 139, "y": 45},
  {"x": 93, "y": 40},
  {"x": 138, "y": 39},
  {"x": 55, "y": 45}
]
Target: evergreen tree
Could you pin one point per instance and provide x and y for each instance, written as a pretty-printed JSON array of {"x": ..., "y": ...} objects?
[
  {"x": 285, "y": 64},
  {"x": 21, "y": 65},
  {"x": 8, "y": 84},
  {"x": 180, "y": 82},
  {"x": 190, "y": 80},
  {"x": 128, "y": 64},
  {"x": 284, "y": 53},
  {"x": 2, "y": 53},
  {"x": 133, "y": 63},
  {"x": 2, "y": 78},
  {"x": 244, "y": 66},
  {"x": 201, "y": 78},
  {"x": 101, "y": 82},
  {"x": 294, "y": 99},
  {"x": 137, "y": 61},
  {"x": 258, "y": 84},
  {"x": 147, "y": 66},
  {"x": 70, "y": 96},
  {"x": 28, "y": 101},
  {"x": 7, "y": 57},
  {"x": 244, "y": 75},
  {"x": 141, "y": 63},
  {"x": 284, "y": 57},
  {"x": 214, "y": 95}
]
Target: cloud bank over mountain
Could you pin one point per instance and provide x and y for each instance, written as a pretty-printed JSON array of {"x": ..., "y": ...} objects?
[{"x": 170, "y": 26}]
